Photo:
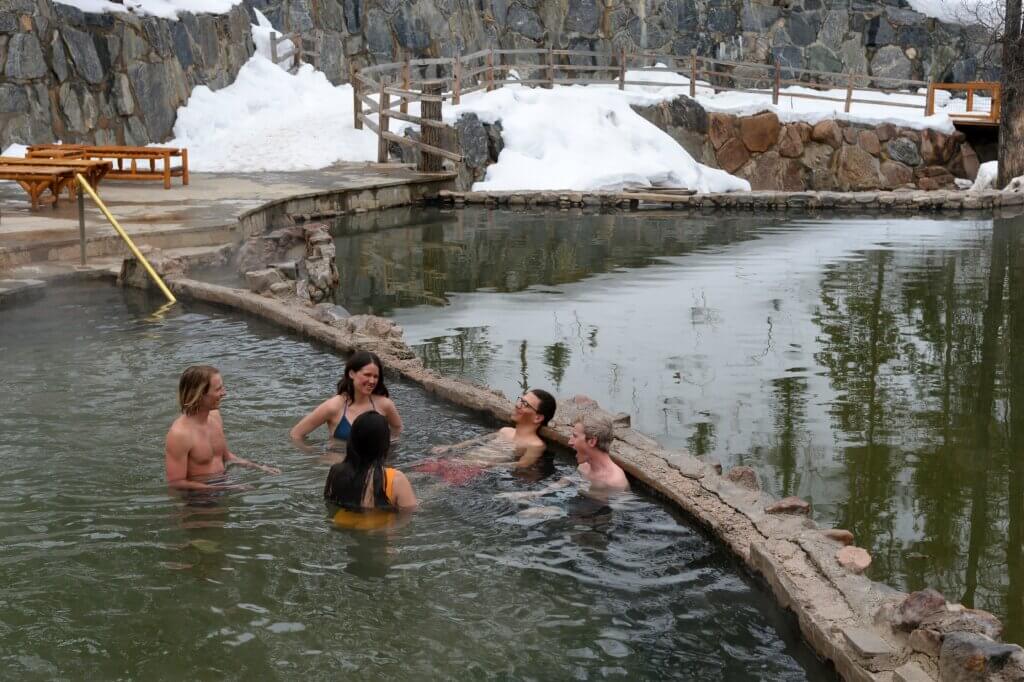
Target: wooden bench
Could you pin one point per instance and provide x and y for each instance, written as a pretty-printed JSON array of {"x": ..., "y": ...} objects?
[
  {"x": 94, "y": 171},
  {"x": 118, "y": 154},
  {"x": 37, "y": 179}
]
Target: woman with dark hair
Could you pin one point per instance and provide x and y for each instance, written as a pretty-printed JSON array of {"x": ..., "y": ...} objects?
[
  {"x": 362, "y": 482},
  {"x": 360, "y": 390}
]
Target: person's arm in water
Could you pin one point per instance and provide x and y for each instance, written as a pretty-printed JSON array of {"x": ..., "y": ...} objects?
[
  {"x": 530, "y": 456},
  {"x": 176, "y": 449},
  {"x": 232, "y": 458},
  {"x": 405, "y": 498},
  {"x": 464, "y": 445},
  {"x": 388, "y": 409},
  {"x": 313, "y": 420}
]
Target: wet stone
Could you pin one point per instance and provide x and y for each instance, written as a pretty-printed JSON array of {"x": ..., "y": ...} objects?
[
  {"x": 968, "y": 656},
  {"x": 866, "y": 643},
  {"x": 910, "y": 672},
  {"x": 916, "y": 607},
  {"x": 853, "y": 559},
  {"x": 841, "y": 536},
  {"x": 744, "y": 477},
  {"x": 789, "y": 505}
]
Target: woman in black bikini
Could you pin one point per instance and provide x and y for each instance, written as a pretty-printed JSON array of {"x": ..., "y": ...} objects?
[{"x": 360, "y": 390}]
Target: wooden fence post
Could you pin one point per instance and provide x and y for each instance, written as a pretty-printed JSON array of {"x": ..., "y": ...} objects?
[
  {"x": 693, "y": 73},
  {"x": 490, "y": 70},
  {"x": 297, "y": 50},
  {"x": 404, "y": 106},
  {"x": 970, "y": 98},
  {"x": 457, "y": 78},
  {"x": 357, "y": 103},
  {"x": 551, "y": 68},
  {"x": 778, "y": 78},
  {"x": 383, "y": 102},
  {"x": 929, "y": 100},
  {"x": 849, "y": 94},
  {"x": 622, "y": 69},
  {"x": 273, "y": 47},
  {"x": 431, "y": 110}
]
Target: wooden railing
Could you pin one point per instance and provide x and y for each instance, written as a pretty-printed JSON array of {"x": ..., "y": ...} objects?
[
  {"x": 381, "y": 89},
  {"x": 293, "y": 57},
  {"x": 978, "y": 110}
]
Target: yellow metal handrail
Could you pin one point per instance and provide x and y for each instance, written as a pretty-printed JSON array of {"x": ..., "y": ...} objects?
[{"x": 127, "y": 240}]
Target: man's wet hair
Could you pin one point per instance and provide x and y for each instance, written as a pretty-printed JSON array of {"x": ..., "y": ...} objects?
[
  {"x": 193, "y": 385},
  {"x": 597, "y": 425},
  {"x": 546, "y": 404}
]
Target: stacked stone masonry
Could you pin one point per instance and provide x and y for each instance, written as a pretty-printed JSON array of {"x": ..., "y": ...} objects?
[{"x": 108, "y": 78}]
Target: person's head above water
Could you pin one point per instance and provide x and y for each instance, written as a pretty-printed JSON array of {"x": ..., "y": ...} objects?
[
  {"x": 368, "y": 444},
  {"x": 591, "y": 430},
  {"x": 200, "y": 388},
  {"x": 536, "y": 407},
  {"x": 364, "y": 374}
]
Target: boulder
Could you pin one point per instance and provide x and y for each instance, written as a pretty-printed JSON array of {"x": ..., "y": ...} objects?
[
  {"x": 896, "y": 174},
  {"x": 24, "y": 58},
  {"x": 853, "y": 559},
  {"x": 721, "y": 128},
  {"x": 903, "y": 150},
  {"x": 934, "y": 177},
  {"x": 916, "y": 607},
  {"x": 772, "y": 172},
  {"x": 732, "y": 156},
  {"x": 885, "y": 132},
  {"x": 759, "y": 132},
  {"x": 744, "y": 477},
  {"x": 890, "y": 62},
  {"x": 134, "y": 274},
  {"x": 790, "y": 143},
  {"x": 856, "y": 170},
  {"x": 965, "y": 163},
  {"x": 684, "y": 119},
  {"x": 967, "y": 656},
  {"x": 925, "y": 641},
  {"x": 328, "y": 313},
  {"x": 259, "y": 281},
  {"x": 789, "y": 505},
  {"x": 868, "y": 141},
  {"x": 827, "y": 132},
  {"x": 83, "y": 54}
]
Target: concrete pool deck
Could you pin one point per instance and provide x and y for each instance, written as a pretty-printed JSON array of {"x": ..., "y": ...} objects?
[{"x": 212, "y": 209}]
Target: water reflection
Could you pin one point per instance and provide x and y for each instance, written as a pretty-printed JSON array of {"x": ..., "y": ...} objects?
[{"x": 872, "y": 366}]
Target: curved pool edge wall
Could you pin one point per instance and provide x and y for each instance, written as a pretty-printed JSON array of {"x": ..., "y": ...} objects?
[{"x": 836, "y": 610}]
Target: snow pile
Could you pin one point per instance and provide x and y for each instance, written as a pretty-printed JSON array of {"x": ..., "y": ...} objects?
[
  {"x": 261, "y": 31},
  {"x": 583, "y": 138},
  {"x": 18, "y": 150},
  {"x": 988, "y": 176},
  {"x": 166, "y": 9},
  {"x": 271, "y": 120},
  {"x": 987, "y": 12},
  {"x": 791, "y": 109}
]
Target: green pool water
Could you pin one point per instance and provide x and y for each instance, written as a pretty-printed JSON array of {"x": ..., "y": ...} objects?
[{"x": 871, "y": 365}]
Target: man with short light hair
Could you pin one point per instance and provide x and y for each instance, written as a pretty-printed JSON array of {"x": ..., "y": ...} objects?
[{"x": 591, "y": 438}]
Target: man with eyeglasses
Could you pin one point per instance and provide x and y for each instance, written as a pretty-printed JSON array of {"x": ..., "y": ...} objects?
[{"x": 519, "y": 443}]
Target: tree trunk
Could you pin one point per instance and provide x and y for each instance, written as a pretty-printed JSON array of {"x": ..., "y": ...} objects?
[{"x": 1011, "y": 115}]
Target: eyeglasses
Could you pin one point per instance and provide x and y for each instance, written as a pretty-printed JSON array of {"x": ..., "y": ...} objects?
[{"x": 521, "y": 403}]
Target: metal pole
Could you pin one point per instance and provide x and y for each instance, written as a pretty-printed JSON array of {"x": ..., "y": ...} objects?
[
  {"x": 81, "y": 225},
  {"x": 124, "y": 235}
]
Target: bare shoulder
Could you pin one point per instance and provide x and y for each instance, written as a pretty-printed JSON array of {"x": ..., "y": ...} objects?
[
  {"x": 180, "y": 433},
  {"x": 334, "y": 402},
  {"x": 215, "y": 418},
  {"x": 385, "y": 403},
  {"x": 507, "y": 432}
]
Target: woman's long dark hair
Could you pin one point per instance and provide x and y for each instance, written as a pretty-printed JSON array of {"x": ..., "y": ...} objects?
[
  {"x": 356, "y": 362},
  {"x": 367, "y": 447}
]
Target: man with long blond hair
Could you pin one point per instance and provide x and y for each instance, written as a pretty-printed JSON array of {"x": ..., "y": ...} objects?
[{"x": 197, "y": 451}]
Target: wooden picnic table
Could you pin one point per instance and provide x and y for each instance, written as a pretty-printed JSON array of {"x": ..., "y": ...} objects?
[
  {"x": 93, "y": 170},
  {"x": 37, "y": 179},
  {"x": 121, "y": 153}
]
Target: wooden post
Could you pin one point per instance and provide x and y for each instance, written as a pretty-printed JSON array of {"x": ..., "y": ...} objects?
[
  {"x": 622, "y": 69},
  {"x": 693, "y": 73},
  {"x": 297, "y": 51},
  {"x": 382, "y": 121},
  {"x": 404, "y": 106},
  {"x": 778, "y": 78},
  {"x": 273, "y": 47},
  {"x": 970, "y": 97},
  {"x": 929, "y": 100},
  {"x": 490, "y": 70},
  {"x": 849, "y": 94},
  {"x": 551, "y": 68},
  {"x": 431, "y": 110},
  {"x": 457, "y": 78},
  {"x": 357, "y": 103}
]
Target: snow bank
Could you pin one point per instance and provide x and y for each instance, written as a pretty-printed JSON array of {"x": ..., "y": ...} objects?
[
  {"x": 988, "y": 12},
  {"x": 583, "y": 138},
  {"x": 988, "y": 173},
  {"x": 791, "y": 109},
  {"x": 271, "y": 120},
  {"x": 167, "y": 9},
  {"x": 18, "y": 150}
]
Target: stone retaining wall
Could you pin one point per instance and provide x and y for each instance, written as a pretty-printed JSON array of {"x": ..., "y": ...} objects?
[
  {"x": 108, "y": 78},
  {"x": 884, "y": 38}
]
